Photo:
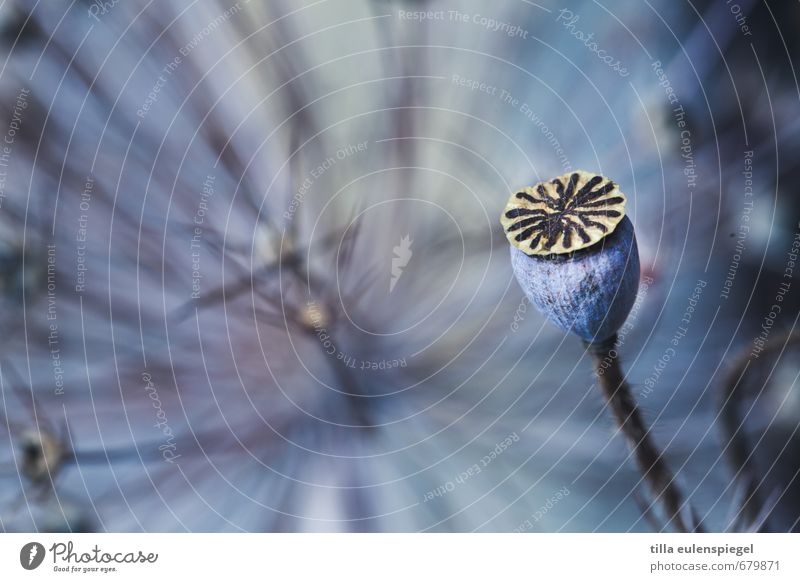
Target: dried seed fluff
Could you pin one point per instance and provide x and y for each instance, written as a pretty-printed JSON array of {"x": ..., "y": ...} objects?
[{"x": 568, "y": 213}]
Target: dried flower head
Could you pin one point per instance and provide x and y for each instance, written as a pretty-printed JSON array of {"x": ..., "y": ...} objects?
[
  {"x": 589, "y": 292},
  {"x": 566, "y": 214},
  {"x": 42, "y": 455}
]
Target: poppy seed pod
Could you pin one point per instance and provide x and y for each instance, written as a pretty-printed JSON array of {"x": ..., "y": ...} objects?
[{"x": 574, "y": 253}]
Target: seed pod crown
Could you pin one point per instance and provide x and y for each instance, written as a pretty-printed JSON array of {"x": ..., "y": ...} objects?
[{"x": 568, "y": 213}]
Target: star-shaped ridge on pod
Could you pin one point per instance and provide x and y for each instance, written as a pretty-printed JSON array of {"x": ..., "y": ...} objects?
[{"x": 565, "y": 214}]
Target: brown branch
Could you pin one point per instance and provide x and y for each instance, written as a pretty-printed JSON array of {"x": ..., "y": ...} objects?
[{"x": 649, "y": 459}]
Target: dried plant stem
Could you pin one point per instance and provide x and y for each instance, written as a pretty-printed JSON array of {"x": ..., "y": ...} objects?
[
  {"x": 649, "y": 458},
  {"x": 742, "y": 382},
  {"x": 350, "y": 387}
]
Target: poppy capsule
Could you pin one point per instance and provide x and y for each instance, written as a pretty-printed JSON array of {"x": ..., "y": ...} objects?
[{"x": 574, "y": 253}]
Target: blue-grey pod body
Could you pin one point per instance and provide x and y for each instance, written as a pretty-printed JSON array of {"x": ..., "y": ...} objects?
[{"x": 589, "y": 292}]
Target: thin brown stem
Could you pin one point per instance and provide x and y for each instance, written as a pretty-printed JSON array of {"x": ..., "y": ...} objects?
[
  {"x": 649, "y": 459},
  {"x": 747, "y": 378}
]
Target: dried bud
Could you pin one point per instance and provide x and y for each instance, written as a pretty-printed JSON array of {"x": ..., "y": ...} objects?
[
  {"x": 42, "y": 455},
  {"x": 574, "y": 253}
]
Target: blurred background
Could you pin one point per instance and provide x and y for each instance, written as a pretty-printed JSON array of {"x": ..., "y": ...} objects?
[{"x": 253, "y": 277}]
